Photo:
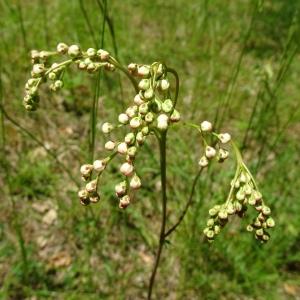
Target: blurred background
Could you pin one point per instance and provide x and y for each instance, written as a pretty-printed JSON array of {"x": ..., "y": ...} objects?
[{"x": 238, "y": 63}]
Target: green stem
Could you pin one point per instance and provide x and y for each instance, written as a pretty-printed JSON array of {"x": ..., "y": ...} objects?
[
  {"x": 177, "y": 84},
  {"x": 163, "y": 165}
]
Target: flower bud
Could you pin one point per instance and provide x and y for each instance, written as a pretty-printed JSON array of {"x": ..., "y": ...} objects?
[
  {"x": 74, "y": 51},
  {"x": 110, "y": 145},
  {"x": 240, "y": 195},
  {"x": 210, "y": 152},
  {"x": 140, "y": 138},
  {"x": 162, "y": 122},
  {"x": 223, "y": 215},
  {"x": 95, "y": 198},
  {"x": 222, "y": 155},
  {"x": 107, "y": 127},
  {"x": 206, "y": 126},
  {"x": 52, "y": 76},
  {"x": 210, "y": 234},
  {"x": 143, "y": 71},
  {"x": 203, "y": 162},
  {"x": 224, "y": 138},
  {"x": 230, "y": 209},
  {"x": 123, "y": 118},
  {"x": 266, "y": 210},
  {"x": 167, "y": 106},
  {"x": 82, "y": 65},
  {"x": 137, "y": 100},
  {"x": 135, "y": 122},
  {"x": 99, "y": 165},
  {"x": 58, "y": 84},
  {"x": 38, "y": 70},
  {"x": 149, "y": 117},
  {"x": 86, "y": 170},
  {"x": 83, "y": 194},
  {"x": 124, "y": 202},
  {"x": 127, "y": 169},
  {"x": 135, "y": 182},
  {"x": 164, "y": 84},
  {"x": 149, "y": 94},
  {"x": 131, "y": 152},
  {"x": 91, "y": 52},
  {"x": 103, "y": 54},
  {"x": 250, "y": 228},
  {"x": 210, "y": 222},
  {"x": 132, "y": 67},
  {"x": 131, "y": 111},
  {"x": 122, "y": 148},
  {"x": 143, "y": 109},
  {"x": 129, "y": 138},
  {"x": 145, "y": 130},
  {"x": 121, "y": 189},
  {"x": 270, "y": 222},
  {"x": 34, "y": 54},
  {"x": 91, "y": 187},
  {"x": 144, "y": 84},
  {"x": 91, "y": 67},
  {"x": 175, "y": 116},
  {"x": 62, "y": 48}
]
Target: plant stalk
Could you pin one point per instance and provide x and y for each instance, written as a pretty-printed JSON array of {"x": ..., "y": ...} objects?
[{"x": 162, "y": 145}]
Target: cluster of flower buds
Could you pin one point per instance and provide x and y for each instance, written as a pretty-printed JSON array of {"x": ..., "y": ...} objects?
[
  {"x": 152, "y": 109},
  {"x": 243, "y": 193},
  {"x": 90, "y": 60},
  {"x": 213, "y": 152}
]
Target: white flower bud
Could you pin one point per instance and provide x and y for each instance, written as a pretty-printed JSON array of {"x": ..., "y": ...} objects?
[
  {"x": 145, "y": 130},
  {"x": 91, "y": 187},
  {"x": 143, "y": 71},
  {"x": 224, "y": 138},
  {"x": 135, "y": 122},
  {"x": 135, "y": 182},
  {"x": 99, "y": 165},
  {"x": 103, "y": 54},
  {"x": 122, "y": 148},
  {"x": 95, "y": 198},
  {"x": 58, "y": 84},
  {"x": 121, "y": 189},
  {"x": 175, "y": 116},
  {"x": 131, "y": 111},
  {"x": 149, "y": 93},
  {"x": 167, "y": 106},
  {"x": 74, "y": 51},
  {"x": 144, "y": 84},
  {"x": 164, "y": 84},
  {"x": 123, "y": 118},
  {"x": 62, "y": 48},
  {"x": 222, "y": 155},
  {"x": 127, "y": 169},
  {"x": 144, "y": 108},
  {"x": 82, "y": 65},
  {"x": 52, "y": 76},
  {"x": 129, "y": 138},
  {"x": 34, "y": 54},
  {"x": 149, "y": 117},
  {"x": 206, "y": 126},
  {"x": 210, "y": 152},
  {"x": 137, "y": 100},
  {"x": 107, "y": 127},
  {"x": 162, "y": 122},
  {"x": 124, "y": 201},
  {"x": 38, "y": 69},
  {"x": 203, "y": 162},
  {"x": 132, "y": 67},
  {"x": 131, "y": 152},
  {"x": 91, "y": 52},
  {"x": 110, "y": 145},
  {"x": 83, "y": 194},
  {"x": 140, "y": 138},
  {"x": 86, "y": 170}
]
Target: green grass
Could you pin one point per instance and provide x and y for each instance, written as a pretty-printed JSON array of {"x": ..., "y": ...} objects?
[{"x": 233, "y": 56}]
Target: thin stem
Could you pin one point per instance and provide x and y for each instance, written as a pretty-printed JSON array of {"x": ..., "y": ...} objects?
[
  {"x": 162, "y": 144},
  {"x": 188, "y": 204},
  {"x": 177, "y": 84}
]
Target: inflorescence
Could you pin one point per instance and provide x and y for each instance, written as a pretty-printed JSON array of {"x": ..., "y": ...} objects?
[{"x": 152, "y": 112}]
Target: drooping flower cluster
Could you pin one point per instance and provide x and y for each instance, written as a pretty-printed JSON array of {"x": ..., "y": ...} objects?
[
  {"x": 243, "y": 193},
  {"x": 44, "y": 70},
  {"x": 152, "y": 110}
]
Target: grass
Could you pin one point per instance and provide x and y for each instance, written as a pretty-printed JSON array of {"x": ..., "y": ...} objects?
[{"x": 231, "y": 55}]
